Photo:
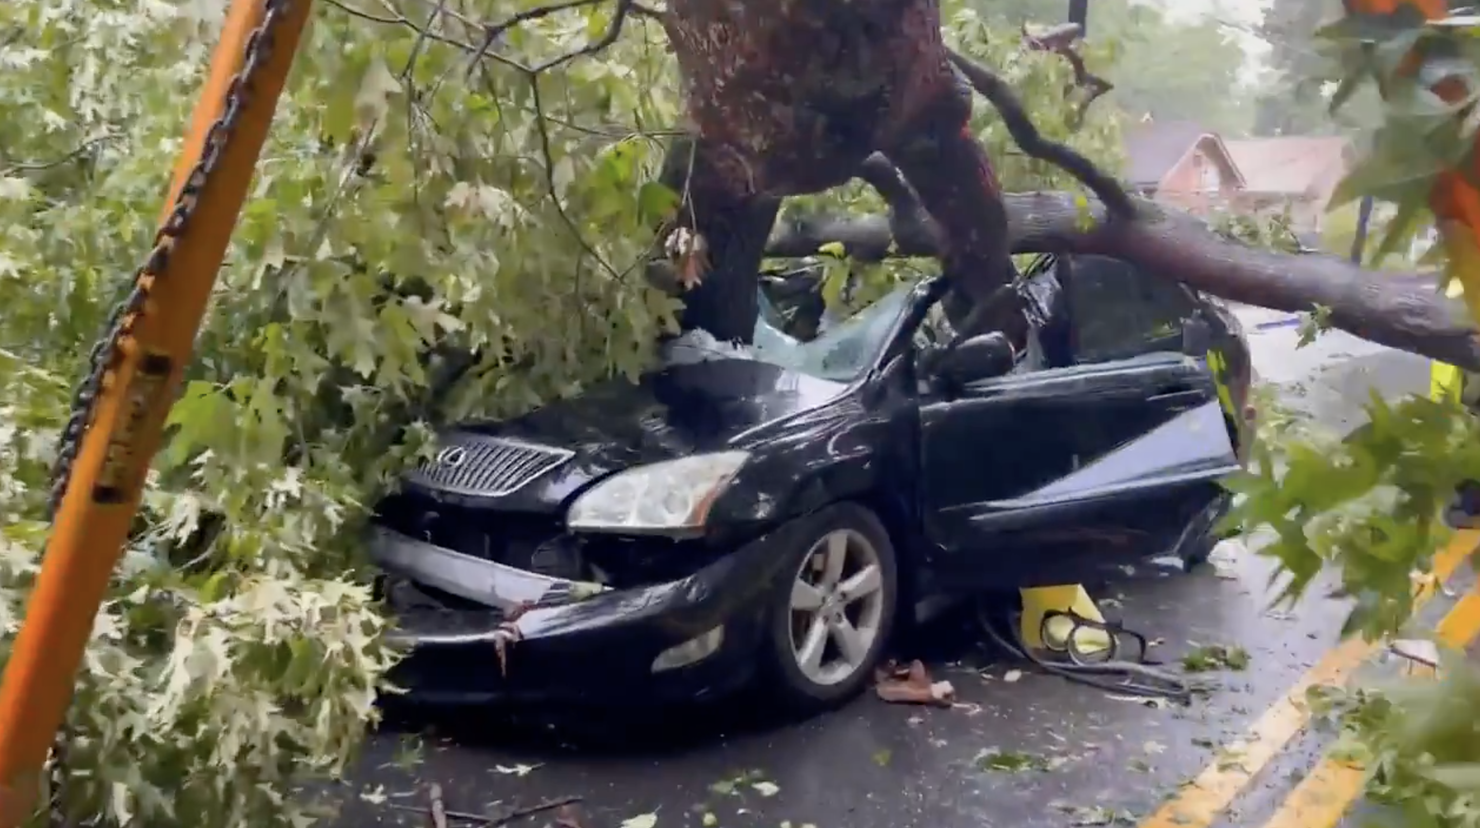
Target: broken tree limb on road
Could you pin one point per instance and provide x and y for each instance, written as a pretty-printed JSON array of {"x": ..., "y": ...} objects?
[{"x": 1399, "y": 310}]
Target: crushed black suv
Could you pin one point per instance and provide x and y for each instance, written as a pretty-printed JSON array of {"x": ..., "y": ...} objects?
[{"x": 769, "y": 510}]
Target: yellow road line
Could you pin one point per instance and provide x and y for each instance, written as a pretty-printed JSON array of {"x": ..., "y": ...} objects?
[
  {"x": 1199, "y": 803},
  {"x": 1323, "y": 798}
]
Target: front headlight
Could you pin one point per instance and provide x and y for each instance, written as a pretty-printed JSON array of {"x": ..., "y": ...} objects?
[{"x": 667, "y": 497}]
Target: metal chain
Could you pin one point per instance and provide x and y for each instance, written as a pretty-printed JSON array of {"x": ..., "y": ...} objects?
[{"x": 127, "y": 312}]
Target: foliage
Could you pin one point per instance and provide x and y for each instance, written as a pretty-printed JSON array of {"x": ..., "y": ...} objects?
[
  {"x": 412, "y": 205},
  {"x": 1299, "y": 73},
  {"x": 1291, "y": 99},
  {"x": 1339, "y": 234},
  {"x": 1267, "y": 228},
  {"x": 1419, "y": 742},
  {"x": 1369, "y": 505},
  {"x": 1406, "y": 464},
  {"x": 1165, "y": 66}
]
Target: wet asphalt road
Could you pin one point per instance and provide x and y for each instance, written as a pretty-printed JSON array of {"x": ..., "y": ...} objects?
[{"x": 1021, "y": 749}]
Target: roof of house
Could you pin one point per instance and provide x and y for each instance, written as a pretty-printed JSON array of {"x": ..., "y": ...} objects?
[
  {"x": 1287, "y": 165},
  {"x": 1153, "y": 148}
]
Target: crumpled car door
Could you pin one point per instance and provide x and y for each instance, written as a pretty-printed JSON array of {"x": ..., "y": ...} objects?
[{"x": 1057, "y": 476}]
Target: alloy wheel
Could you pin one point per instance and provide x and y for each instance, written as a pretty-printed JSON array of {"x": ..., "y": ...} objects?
[{"x": 837, "y": 607}]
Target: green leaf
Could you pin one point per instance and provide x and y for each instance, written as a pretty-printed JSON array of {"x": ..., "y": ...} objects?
[{"x": 656, "y": 202}]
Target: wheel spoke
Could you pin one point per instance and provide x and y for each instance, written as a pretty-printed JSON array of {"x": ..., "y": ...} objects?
[
  {"x": 865, "y": 582},
  {"x": 837, "y": 556},
  {"x": 850, "y": 641},
  {"x": 809, "y": 655},
  {"x": 805, "y": 596}
]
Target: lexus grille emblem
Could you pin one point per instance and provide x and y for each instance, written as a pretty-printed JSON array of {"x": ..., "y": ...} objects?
[{"x": 452, "y": 457}]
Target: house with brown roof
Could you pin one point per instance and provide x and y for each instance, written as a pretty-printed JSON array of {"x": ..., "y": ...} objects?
[
  {"x": 1300, "y": 173},
  {"x": 1180, "y": 163}
]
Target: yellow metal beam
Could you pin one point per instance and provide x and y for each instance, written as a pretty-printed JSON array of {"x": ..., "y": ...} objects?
[{"x": 98, "y": 506}]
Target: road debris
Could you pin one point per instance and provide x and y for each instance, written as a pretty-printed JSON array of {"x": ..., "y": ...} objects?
[
  {"x": 911, "y": 684},
  {"x": 1417, "y": 650},
  {"x": 1007, "y": 761},
  {"x": 731, "y": 787},
  {"x": 518, "y": 769},
  {"x": 1209, "y": 657},
  {"x": 766, "y": 788},
  {"x": 647, "y": 820},
  {"x": 440, "y": 814},
  {"x": 1085, "y": 815},
  {"x": 438, "y": 807},
  {"x": 1154, "y": 702}
]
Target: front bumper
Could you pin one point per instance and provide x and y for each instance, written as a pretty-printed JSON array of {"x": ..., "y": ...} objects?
[{"x": 572, "y": 646}]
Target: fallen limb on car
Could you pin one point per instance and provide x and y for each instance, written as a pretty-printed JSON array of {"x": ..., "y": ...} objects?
[{"x": 1400, "y": 310}]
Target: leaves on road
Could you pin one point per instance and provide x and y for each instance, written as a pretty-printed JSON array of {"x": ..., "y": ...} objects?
[
  {"x": 1210, "y": 657},
  {"x": 766, "y": 788},
  {"x": 647, "y": 820},
  {"x": 1015, "y": 761}
]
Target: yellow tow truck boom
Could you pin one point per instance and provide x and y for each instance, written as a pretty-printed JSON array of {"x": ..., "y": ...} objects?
[{"x": 121, "y": 409}]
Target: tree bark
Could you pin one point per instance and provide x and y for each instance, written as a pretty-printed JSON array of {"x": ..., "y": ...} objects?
[
  {"x": 786, "y": 97},
  {"x": 1400, "y": 310}
]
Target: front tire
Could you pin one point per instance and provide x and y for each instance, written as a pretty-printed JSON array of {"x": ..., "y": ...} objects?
[{"x": 832, "y": 610}]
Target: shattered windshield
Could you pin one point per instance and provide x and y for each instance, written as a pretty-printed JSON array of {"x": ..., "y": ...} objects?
[{"x": 841, "y": 352}]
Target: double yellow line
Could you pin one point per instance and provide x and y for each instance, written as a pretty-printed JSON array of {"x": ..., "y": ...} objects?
[{"x": 1321, "y": 799}]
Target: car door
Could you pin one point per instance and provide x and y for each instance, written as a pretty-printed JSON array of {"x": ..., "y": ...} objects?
[{"x": 1051, "y": 476}]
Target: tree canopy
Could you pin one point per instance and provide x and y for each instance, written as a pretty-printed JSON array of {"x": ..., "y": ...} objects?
[{"x": 1171, "y": 68}]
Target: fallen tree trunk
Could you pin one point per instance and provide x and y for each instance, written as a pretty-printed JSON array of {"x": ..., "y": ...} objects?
[
  {"x": 785, "y": 97},
  {"x": 1400, "y": 310}
]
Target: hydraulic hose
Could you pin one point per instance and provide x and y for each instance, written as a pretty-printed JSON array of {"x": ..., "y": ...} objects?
[{"x": 1132, "y": 678}]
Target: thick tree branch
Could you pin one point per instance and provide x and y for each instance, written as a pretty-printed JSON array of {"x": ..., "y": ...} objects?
[
  {"x": 1398, "y": 310},
  {"x": 1020, "y": 126}
]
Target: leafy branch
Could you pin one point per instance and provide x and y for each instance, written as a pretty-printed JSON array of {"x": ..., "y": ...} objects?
[
  {"x": 1061, "y": 40},
  {"x": 77, "y": 152}
]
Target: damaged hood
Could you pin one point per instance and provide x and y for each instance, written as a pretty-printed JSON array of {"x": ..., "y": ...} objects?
[{"x": 683, "y": 409}]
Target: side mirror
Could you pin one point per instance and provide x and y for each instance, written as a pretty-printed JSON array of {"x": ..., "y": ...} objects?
[
  {"x": 981, "y": 357},
  {"x": 1197, "y": 337}
]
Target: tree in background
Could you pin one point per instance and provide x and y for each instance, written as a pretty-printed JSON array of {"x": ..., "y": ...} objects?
[
  {"x": 1169, "y": 68},
  {"x": 1292, "y": 102},
  {"x": 1301, "y": 72}
]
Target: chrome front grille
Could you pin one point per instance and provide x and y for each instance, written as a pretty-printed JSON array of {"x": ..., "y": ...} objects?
[{"x": 474, "y": 464}]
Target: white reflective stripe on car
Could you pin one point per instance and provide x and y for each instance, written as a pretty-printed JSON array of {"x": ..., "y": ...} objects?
[{"x": 1194, "y": 445}]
